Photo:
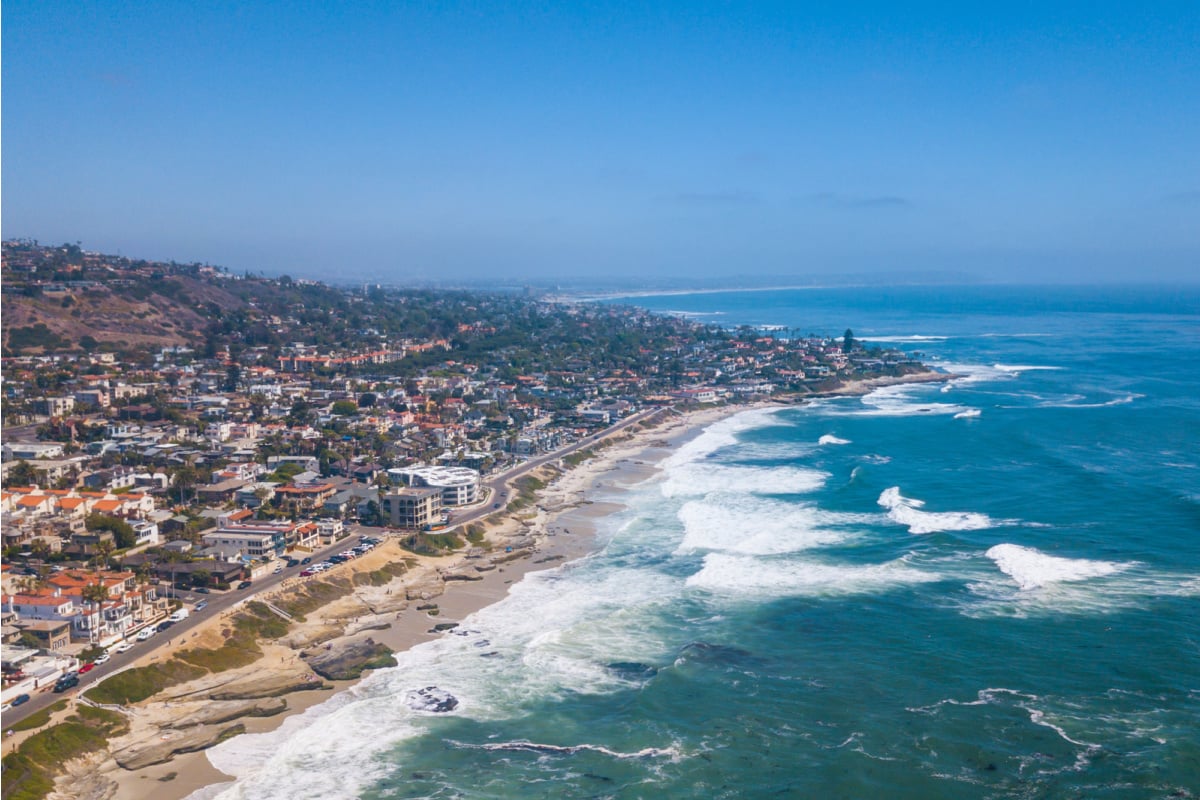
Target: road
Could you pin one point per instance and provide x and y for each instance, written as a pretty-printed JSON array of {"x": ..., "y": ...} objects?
[
  {"x": 223, "y": 601},
  {"x": 499, "y": 484}
]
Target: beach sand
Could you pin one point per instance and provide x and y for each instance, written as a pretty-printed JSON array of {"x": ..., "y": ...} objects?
[{"x": 560, "y": 527}]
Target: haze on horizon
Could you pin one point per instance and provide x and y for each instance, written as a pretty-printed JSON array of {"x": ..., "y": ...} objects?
[{"x": 397, "y": 142}]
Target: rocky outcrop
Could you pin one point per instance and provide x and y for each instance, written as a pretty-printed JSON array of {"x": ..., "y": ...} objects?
[
  {"x": 266, "y": 685},
  {"x": 214, "y": 713},
  {"x": 345, "y": 659},
  {"x": 161, "y": 750}
]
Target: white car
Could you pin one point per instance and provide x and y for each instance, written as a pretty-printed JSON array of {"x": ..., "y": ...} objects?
[
  {"x": 103, "y": 659},
  {"x": 124, "y": 647},
  {"x": 144, "y": 634}
]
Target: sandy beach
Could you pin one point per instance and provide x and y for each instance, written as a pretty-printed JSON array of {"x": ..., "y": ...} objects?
[
  {"x": 162, "y": 756},
  {"x": 560, "y": 526}
]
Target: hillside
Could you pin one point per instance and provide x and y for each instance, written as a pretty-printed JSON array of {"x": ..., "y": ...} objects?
[{"x": 146, "y": 314}]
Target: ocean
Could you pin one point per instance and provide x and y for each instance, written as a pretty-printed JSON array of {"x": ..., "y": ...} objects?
[{"x": 988, "y": 588}]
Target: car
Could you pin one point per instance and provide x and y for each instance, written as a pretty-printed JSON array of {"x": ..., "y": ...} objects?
[
  {"x": 102, "y": 659},
  {"x": 67, "y": 681},
  {"x": 277, "y": 570},
  {"x": 307, "y": 573},
  {"x": 162, "y": 626},
  {"x": 20, "y": 699},
  {"x": 124, "y": 647},
  {"x": 203, "y": 604},
  {"x": 145, "y": 633},
  {"x": 292, "y": 562},
  {"x": 86, "y": 668},
  {"x": 244, "y": 585},
  {"x": 202, "y": 590},
  {"x": 306, "y": 561},
  {"x": 495, "y": 505}
]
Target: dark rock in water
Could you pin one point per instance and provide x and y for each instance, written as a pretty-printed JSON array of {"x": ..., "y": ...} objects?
[
  {"x": 716, "y": 653},
  {"x": 492, "y": 654},
  {"x": 633, "y": 670},
  {"x": 444, "y": 626},
  {"x": 432, "y": 699}
]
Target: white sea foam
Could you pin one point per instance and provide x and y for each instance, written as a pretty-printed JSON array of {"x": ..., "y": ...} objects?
[
  {"x": 829, "y": 438},
  {"x": 553, "y": 634},
  {"x": 700, "y": 478},
  {"x": 912, "y": 339},
  {"x": 901, "y": 400},
  {"x": 1071, "y": 403},
  {"x": 1017, "y": 369},
  {"x": 743, "y": 576},
  {"x": 970, "y": 413},
  {"x": 672, "y": 752},
  {"x": 760, "y": 526},
  {"x": 1032, "y": 569},
  {"x": 721, "y": 434},
  {"x": 907, "y": 511}
]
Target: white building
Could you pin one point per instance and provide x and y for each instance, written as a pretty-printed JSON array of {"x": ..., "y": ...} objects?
[{"x": 459, "y": 485}]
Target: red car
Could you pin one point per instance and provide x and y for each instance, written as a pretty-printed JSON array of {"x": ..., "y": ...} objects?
[{"x": 86, "y": 668}]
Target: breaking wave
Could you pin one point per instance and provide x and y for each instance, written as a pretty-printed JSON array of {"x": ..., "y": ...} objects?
[
  {"x": 829, "y": 438},
  {"x": 907, "y": 511},
  {"x": 748, "y": 576}
]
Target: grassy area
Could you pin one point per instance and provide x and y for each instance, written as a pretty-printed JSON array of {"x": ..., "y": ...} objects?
[
  {"x": 475, "y": 534},
  {"x": 381, "y": 576},
  {"x": 29, "y": 772},
  {"x": 579, "y": 456},
  {"x": 38, "y": 718},
  {"x": 313, "y": 595},
  {"x": 241, "y": 645},
  {"x": 431, "y": 544},
  {"x": 135, "y": 685}
]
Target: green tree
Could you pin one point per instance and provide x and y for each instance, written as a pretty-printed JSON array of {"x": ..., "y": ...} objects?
[
  {"x": 21, "y": 474},
  {"x": 848, "y": 341},
  {"x": 122, "y": 531},
  {"x": 344, "y": 408}
]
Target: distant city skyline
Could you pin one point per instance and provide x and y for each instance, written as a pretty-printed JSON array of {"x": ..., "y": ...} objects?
[{"x": 401, "y": 143}]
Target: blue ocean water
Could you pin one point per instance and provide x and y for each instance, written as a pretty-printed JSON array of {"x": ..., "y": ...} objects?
[{"x": 988, "y": 588}]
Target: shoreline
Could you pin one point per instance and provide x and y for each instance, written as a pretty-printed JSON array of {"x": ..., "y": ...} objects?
[{"x": 561, "y": 526}]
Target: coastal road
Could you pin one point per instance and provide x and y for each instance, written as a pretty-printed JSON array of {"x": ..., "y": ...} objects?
[
  {"x": 224, "y": 601},
  {"x": 499, "y": 484},
  {"x": 218, "y": 602}
]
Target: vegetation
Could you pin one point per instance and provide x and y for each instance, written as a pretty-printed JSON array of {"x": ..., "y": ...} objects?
[
  {"x": 241, "y": 645},
  {"x": 135, "y": 685},
  {"x": 29, "y": 772},
  {"x": 38, "y": 718},
  {"x": 432, "y": 544}
]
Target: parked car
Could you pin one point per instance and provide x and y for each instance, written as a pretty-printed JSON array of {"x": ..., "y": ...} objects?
[
  {"x": 277, "y": 570},
  {"x": 201, "y": 590},
  {"x": 293, "y": 562},
  {"x": 103, "y": 659},
  {"x": 145, "y": 633},
  {"x": 306, "y": 561},
  {"x": 203, "y": 604},
  {"x": 244, "y": 585},
  {"x": 67, "y": 681},
  {"x": 307, "y": 573},
  {"x": 86, "y": 668},
  {"x": 162, "y": 626},
  {"x": 124, "y": 647},
  {"x": 20, "y": 699}
]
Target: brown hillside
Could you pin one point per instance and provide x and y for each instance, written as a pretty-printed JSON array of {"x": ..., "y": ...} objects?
[{"x": 150, "y": 313}]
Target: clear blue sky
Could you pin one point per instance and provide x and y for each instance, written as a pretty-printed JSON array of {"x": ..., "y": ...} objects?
[{"x": 1025, "y": 141}]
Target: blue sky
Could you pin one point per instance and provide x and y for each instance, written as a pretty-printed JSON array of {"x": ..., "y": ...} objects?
[{"x": 390, "y": 141}]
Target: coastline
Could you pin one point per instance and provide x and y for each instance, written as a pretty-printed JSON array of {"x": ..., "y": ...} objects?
[{"x": 561, "y": 526}]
